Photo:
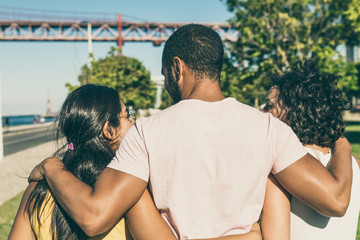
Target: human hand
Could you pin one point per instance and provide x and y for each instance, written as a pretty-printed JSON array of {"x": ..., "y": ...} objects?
[
  {"x": 256, "y": 231},
  {"x": 38, "y": 173},
  {"x": 255, "y": 227},
  {"x": 342, "y": 143}
]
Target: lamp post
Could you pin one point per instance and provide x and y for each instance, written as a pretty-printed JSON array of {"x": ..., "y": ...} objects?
[
  {"x": 90, "y": 42},
  {"x": 1, "y": 128}
]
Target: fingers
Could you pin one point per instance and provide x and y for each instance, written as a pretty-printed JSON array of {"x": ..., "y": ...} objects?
[
  {"x": 342, "y": 143},
  {"x": 255, "y": 227},
  {"x": 342, "y": 140},
  {"x": 36, "y": 174}
]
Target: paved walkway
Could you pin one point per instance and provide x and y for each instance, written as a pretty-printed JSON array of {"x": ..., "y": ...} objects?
[
  {"x": 351, "y": 116},
  {"x": 24, "y": 128},
  {"x": 15, "y": 168}
]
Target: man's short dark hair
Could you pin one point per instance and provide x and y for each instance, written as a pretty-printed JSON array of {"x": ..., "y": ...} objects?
[
  {"x": 199, "y": 47},
  {"x": 312, "y": 103}
]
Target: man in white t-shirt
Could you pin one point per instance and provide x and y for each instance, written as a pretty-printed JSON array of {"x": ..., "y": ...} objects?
[{"x": 206, "y": 159}]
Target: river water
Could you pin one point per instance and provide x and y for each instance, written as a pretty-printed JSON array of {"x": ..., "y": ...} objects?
[{"x": 24, "y": 120}]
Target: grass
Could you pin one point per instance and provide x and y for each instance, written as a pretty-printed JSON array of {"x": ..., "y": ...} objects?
[
  {"x": 353, "y": 135},
  {"x": 356, "y": 149},
  {"x": 358, "y": 230},
  {"x": 7, "y": 214},
  {"x": 8, "y": 209}
]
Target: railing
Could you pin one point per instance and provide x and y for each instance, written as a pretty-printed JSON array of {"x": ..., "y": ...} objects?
[{"x": 119, "y": 31}]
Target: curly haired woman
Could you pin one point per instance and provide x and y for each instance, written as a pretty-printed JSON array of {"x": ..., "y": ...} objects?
[{"x": 310, "y": 103}]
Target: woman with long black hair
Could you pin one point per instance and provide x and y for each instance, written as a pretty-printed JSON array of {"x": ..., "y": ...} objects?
[{"x": 93, "y": 121}]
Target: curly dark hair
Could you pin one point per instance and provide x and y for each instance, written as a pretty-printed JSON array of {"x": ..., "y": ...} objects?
[{"x": 312, "y": 104}]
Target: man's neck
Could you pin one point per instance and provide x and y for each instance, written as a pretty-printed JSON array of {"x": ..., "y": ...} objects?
[{"x": 206, "y": 90}]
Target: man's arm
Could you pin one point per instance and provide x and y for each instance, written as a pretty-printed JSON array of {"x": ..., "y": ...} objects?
[
  {"x": 326, "y": 191},
  {"x": 94, "y": 210}
]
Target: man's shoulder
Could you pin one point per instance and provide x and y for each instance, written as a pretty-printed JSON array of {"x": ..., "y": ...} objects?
[
  {"x": 157, "y": 118},
  {"x": 159, "y": 113},
  {"x": 253, "y": 114},
  {"x": 244, "y": 107}
]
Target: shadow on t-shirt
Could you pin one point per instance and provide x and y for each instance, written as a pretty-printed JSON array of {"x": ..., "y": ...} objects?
[{"x": 307, "y": 214}]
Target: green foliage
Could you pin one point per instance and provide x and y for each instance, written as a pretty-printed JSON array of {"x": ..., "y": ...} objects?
[
  {"x": 358, "y": 230},
  {"x": 351, "y": 23},
  {"x": 274, "y": 34},
  {"x": 125, "y": 74},
  {"x": 353, "y": 135},
  {"x": 243, "y": 85},
  {"x": 166, "y": 100}
]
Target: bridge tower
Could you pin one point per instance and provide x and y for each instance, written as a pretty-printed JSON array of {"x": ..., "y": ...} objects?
[
  {"x": 120, "y": 41},
  {"x": 48, "y": 107}
]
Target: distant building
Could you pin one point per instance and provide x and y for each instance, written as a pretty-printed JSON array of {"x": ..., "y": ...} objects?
[
  {"x": 352, "y": 53},
  {"x": 48, "y": 116},
  {"x": 159, "y": 81},
  {"x": 353, "y": 56},
  {"x": 48, "y": 107}
]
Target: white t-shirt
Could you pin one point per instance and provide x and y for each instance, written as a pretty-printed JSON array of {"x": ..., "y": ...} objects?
[
  {"x": 207, "y": 163},
  {"x": 307, "y": 224}
]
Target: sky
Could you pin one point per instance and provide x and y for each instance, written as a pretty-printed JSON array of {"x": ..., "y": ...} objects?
[{"x": 33, "y": 72}]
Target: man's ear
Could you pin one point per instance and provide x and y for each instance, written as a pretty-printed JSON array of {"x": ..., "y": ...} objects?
[
  {"x": 107, "y": 131},
  {"x": 178, "y": 68}
]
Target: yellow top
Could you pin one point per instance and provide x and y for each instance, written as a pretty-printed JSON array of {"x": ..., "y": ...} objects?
[{"x": 43, "y": 231}]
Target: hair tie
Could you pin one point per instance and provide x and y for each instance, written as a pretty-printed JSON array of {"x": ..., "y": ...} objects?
[{"x": 70, "y": 146}]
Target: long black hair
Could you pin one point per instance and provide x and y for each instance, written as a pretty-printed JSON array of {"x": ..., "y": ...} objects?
[
  {"x": 312, "y": 104},
  {"x": 80, "y": 121}
]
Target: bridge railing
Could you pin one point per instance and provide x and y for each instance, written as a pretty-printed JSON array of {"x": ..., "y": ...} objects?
[{"x": 154, "y": 32}]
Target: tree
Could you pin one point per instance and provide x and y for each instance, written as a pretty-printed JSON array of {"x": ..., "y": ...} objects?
[
  {"x": 274, "y": 34},
  {"x": 351, "y": 24},
  {"x": 125, "y": 74},
  {"x": 166, "y": 100}
]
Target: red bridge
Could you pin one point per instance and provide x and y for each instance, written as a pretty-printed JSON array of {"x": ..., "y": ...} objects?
[{"x": 119, "y": 31}]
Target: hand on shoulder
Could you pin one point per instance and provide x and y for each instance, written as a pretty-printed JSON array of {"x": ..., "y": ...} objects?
[
  {"x": 39, "y": 171},
  {"x": 342, "y": 143}
]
